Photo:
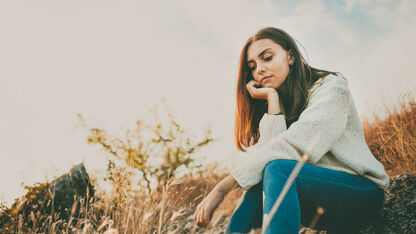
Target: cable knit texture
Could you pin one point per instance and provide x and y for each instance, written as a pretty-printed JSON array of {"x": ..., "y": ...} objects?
[{"x": 331, "y": 114}]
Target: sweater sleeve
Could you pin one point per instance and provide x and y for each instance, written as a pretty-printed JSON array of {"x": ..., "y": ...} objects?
[
  {"x": 326, "y": 115},
  {"x": 269, "y": 126}
]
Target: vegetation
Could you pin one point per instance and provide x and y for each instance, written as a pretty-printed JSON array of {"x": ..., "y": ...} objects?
[
  {"x": 393, "y": 140},
  {"x": 163, "y": 142},
  {"x": 168, "y": 207}
]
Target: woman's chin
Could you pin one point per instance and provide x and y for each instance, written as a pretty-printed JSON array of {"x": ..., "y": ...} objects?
[{"x": 269, "y": 85}]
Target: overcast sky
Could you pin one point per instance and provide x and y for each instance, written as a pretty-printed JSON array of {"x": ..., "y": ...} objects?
[{"x": 110, "y": 60}]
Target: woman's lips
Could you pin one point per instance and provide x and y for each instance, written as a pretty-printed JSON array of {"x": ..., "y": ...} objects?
[{"x": 266, "y": 79}]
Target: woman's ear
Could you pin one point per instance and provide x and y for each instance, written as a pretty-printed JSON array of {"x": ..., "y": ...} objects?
[{"x": 291, "y": 57}]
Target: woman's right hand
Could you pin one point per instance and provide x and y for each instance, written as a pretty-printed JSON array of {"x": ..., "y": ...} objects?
[
  {"x": 256, "y": 91},
  {"x": 206, "y": 208}
]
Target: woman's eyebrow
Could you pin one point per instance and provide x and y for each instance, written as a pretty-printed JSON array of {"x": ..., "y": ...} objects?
[{"x": 261, "y": 53}]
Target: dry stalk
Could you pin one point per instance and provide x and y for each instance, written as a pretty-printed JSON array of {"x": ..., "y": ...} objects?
[{"x": 319, "y": 211}]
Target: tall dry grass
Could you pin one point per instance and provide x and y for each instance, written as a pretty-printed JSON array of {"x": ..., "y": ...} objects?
[
  {"x": 393, "y": 140},
  {"x": 125, "y": 209}
]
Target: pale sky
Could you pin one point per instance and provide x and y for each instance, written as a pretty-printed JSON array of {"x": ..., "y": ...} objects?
[{"x": 111, "y": 60}]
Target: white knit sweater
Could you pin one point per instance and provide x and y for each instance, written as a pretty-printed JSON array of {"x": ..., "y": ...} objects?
[{"x": 341, "y": 145}]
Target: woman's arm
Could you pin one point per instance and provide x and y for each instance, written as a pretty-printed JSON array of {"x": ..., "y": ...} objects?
[
  {"x": 273, "y": 103},
  {"x": 226, "y": 184},
  {"x": 206, "y": 208},
  {"x": 271, "y": 125}
]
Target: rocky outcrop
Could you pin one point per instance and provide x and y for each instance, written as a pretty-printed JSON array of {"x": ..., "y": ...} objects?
[
  {"x": 70, "y": 191},
  {"x": 399, "y": 211}
]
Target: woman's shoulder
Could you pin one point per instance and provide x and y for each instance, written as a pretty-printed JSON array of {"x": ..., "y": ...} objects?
[
  {"x": 333, "y": 81},
  {"x": 332, "y": 85}
]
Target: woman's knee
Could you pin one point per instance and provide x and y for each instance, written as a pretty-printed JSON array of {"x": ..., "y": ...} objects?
[
  {"x": 279, "y": 166},
  {"x": 276, "y": 173}
]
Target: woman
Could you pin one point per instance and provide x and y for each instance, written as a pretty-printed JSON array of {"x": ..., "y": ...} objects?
[{"x": 282, "y": 105}]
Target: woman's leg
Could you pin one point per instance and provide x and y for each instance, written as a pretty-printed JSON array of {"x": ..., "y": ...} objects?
[
  {"x": 287, "y": 218},
  {"x": 349, "y": 201},
  {"x": 248, "y": 214}
]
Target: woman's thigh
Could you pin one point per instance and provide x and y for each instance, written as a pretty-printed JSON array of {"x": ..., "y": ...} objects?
[{"x": 349, "y": 201}]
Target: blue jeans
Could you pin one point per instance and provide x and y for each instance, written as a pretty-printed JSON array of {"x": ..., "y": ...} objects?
[{"x": 349, "y": 201}]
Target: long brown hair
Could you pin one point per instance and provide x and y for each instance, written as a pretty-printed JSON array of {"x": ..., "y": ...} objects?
[{"x": 293, "y": 92}]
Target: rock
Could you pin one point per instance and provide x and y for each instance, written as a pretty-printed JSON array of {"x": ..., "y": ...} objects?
[
  {"x": 57, "y": 199},
  {"x": 71, "y": 189},
  {"x": 399, "y": 210}
]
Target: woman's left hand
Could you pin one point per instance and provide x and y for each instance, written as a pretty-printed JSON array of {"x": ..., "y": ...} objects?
[
  {"x": 259, "y": 93},
  {"x": 206, "y": 208}
]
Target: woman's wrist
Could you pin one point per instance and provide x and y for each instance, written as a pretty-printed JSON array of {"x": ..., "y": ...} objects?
[
  {"x": 273, "y": 103},
  {"x": 271, "y": 96}
]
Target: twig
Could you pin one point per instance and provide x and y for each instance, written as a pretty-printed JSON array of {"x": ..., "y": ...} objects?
[{"x": 319, "y": 212}]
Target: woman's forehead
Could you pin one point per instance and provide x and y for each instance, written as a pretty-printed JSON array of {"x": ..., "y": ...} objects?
[{"x": 261, "y": 46}]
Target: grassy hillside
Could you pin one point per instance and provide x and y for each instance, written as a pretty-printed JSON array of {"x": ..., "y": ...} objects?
[{"x": 170, "y": 208}]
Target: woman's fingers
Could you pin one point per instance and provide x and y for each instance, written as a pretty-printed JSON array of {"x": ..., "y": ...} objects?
[
  {"x": 252, "y": 90},
  {"x": 250, "y": 85},
  {"x": 206, "y": 221},
  {"x": 200, "y": 217},
  {"x": 196, "y": 216},
  {"x": 258, "y": 92}
]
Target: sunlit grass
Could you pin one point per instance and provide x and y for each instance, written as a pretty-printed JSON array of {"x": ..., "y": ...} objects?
[{"x": 393, "y": 140}]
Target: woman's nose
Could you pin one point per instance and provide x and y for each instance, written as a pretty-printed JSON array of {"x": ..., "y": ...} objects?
[{"x": 260, "y": 69}]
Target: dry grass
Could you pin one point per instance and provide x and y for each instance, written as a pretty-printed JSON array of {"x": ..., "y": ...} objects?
[
  {"x": 393, "y": 140},
  {"x": 169, "y": 209}
]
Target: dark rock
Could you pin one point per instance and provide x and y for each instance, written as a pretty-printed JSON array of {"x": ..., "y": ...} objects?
[
  {"x": 61, "y": 199},
  {"x": 71, "y": 189},
  {"x": 399, "y": 210}
]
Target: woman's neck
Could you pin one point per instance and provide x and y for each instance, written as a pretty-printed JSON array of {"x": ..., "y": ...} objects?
[{"x": 282, "y": 91}]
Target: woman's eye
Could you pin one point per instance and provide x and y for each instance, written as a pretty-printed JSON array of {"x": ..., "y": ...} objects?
[
  {"x": 252, "y": 68},
  {"x": 268, "y": 58}
]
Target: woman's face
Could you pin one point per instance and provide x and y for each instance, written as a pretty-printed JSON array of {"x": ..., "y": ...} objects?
[{"x": 268, "y": 63}]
